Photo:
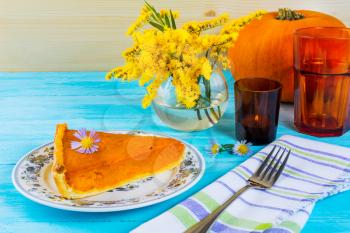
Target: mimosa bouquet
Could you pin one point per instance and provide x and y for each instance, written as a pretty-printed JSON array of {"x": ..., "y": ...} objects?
[{"x": 185, "y": 54}]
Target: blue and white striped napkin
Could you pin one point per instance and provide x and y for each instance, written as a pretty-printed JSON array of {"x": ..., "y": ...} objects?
[{"x": 314, "y": 171}]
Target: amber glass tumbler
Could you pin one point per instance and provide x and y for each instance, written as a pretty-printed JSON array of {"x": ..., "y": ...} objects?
[
  {"x": 257, "y": 103},
  {"x": 322, "y": 81}
]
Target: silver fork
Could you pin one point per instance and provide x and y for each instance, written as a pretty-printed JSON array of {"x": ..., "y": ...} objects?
[{"x": 265, "y": 177}]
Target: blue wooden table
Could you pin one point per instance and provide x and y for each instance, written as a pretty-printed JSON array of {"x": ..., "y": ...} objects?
[{"x": 31, "y": 104}]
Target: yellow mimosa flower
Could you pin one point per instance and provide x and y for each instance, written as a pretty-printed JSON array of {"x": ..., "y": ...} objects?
[{"x": 183, "y": 54}]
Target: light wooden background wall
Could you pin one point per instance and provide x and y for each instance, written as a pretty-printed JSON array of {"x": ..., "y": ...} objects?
[{"x": 88, "y": 35}]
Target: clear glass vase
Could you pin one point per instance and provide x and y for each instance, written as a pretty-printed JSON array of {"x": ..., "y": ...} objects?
[{"x": 209, "y": 110}]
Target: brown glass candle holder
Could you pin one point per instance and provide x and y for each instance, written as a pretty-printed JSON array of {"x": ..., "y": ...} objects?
[{"x": 257, "y": 103}]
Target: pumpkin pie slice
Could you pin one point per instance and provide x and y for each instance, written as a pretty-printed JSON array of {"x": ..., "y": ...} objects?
[{"x": 89, "y": 163}]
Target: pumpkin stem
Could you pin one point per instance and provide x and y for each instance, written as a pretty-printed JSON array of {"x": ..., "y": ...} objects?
[{"x": 288, "y": 14}]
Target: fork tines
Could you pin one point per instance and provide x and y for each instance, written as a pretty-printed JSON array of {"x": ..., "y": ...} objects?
[{"x": 273, "y": 165}]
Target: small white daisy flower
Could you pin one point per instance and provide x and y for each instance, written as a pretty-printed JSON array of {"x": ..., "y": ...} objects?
[
  {"x": 215, "y": 149},
  {"x": 242, "y": 148}
]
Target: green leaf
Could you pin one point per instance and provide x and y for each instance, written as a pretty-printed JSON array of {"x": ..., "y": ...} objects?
[
  {"x": 156, "y": 25},
  {"x": 207, "y": 88},
  {"x": 172, "y": 20},
  {"x": 155, "y": 13},
  {"x": 154, "y": 18},
  {"x": 148, "y": 5},
  {"x": 167, "y": 21}
]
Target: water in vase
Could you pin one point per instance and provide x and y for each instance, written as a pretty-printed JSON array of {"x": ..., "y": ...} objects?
[{"x": 180, "y": 118}]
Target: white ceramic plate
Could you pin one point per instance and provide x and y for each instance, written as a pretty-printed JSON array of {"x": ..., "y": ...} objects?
[{"x": 32, "y": 178}]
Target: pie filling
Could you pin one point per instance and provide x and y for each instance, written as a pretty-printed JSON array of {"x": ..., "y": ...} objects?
[{"x": 119, "y": 159}]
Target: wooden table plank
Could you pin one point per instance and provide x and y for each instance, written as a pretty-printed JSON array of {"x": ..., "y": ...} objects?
[{"x": 32, "y": 104}]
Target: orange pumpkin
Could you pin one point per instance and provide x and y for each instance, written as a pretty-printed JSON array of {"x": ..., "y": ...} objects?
[{"x": 264, "y": 47}]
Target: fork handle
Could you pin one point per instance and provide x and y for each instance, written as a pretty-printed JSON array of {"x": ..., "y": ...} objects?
[{"x": 205, "y": 223}]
